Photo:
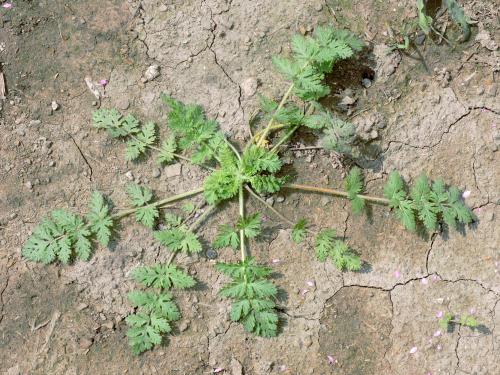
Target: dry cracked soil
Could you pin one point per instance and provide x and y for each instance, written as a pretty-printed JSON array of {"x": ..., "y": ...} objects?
[{"x": 439, "y": 116}]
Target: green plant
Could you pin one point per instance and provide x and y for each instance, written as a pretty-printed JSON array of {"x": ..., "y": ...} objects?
[
  {"x": 426, "y": 23},
  {"x": 448, "y": 320},
  {"x": 234, "y": 174}
]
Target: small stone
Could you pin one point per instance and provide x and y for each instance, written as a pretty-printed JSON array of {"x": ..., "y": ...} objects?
[
  {"x": 173, "y": 170},
  {"x": 236, "y": 367},
  {"x": 347, "y": 100},
  {"x": 492, "y": 90},
  {"x": 54, "y": 105},
  {"x": 85, "y": 343},
  {"x": 29, "y": 185},
  {"x": 108, "y": 325},
  {"x": 123, "y": 103},
  {"x": 129, "y": 175},
  {"x": 270, "y": 200},
  {"x": 318, "y": 7},
  {"x": 152, "y": 72},
  {"x": 280, "y": 199},
  {"x": 81, "y": 306},
  {"x": 366, "y": 83},
  {"x": 94, "y": 103},
  {"x": 307, "y": 341},
  {"x": 12, "y": 216},
  {"x": 52, "y": 163},
  {"x": 35, "y": 122},
  {"x": 163, "y": 8},
  {"x": 419, "y": 40},
  {"x": 184, "y": 325},
  {"x": 249, "y": 87},
  {"x": 211, "y": 254},
  {"x": 156, "y": 173},
  {"x": 102, "y": 316}
]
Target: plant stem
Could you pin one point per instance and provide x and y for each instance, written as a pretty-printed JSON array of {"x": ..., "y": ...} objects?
[
  {"x": 159, "y": 203},
  {"x": 242, "y": 216},
  {"x": 283, "y": 139},
  {"x": 263, "y": 137},
  {"x": 235, "y": 151},
  {"x": 337, "y": 193},
  {"x": 192, "y": 228},
  {"x": 271, "y": 208}
]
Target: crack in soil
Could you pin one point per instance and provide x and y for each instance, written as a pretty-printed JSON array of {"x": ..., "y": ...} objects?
[
  {"x": 82, "y": 155},
  {"x": 2, "y": 304}
]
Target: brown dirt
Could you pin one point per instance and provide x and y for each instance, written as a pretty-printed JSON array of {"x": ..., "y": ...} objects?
[{"x": 69, "y": 319}]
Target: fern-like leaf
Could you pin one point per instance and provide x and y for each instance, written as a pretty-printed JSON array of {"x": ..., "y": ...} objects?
[
  {"x": 299, "y": 231},
  {"x": 163, "y": 277},
  {"x": 99, "y": 219},
  {"x": 327, "y": 247}
]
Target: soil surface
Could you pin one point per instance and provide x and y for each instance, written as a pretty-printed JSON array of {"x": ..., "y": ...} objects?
[{"x": 439, "y": 115}]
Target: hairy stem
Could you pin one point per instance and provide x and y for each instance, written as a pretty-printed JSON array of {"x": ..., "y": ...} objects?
[
  {"x": 271, "y": 208},
  {"x": 337, "y": 193},
  {"x": 242, "y": 216},
  {"x": 262, "y": 139},
  {"x": 285, "y": 138},
  {"x": 159, "y": 203}
]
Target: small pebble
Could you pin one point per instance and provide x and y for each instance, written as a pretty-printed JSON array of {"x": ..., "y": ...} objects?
[
  {"x": 280, "y": 199},
  {"x": 29, "y": 185},
  {"x": 129, "y": 175},
  {"x": 211, "y": 254},
  {"x": 85, "y": 343},
  {"x": 366, "y": 83},
  {"x": 54, "y": 105},
  {"x": 184, "y": 325},
  {"x": 156, "y": 173}
]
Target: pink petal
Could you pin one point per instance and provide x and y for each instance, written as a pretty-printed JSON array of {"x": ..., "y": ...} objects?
[
  {"x": 103, "y": 82},
  {"x": 413, "y": 350},
  {"x": 7, "y": 5},
  {"x": 397, "y": 274},
  {"x": 472, "y": 311},
  {"x": 283, "y": 368},
  {"x": 275, "y": 261},
  {"x": 217, "y": 370},
  {"x": 304, "y": 292},
  {"x": 331, "y": 360},
  {"x": 311, "y": 283},
  {"x": 424, "y": 281},
  {"x": 439, "y": 314},
  {"x": 466, "y": 194},
  {"x": 439, "y": 347},
  {"x": 435, "y": 278},
  {"x": 437, "y": 333},
  {"x": 265, "y": 218}
]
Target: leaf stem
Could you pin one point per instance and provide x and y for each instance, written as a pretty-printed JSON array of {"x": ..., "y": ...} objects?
[
  {"x": 337, "y": 193},
  {"x": 159, "y": 203},
  {"x": 283, "y": 139},
  {"x": 271, "y": 208},
  {"x": 242, "y": 216},
  {"x": 263, "y": 137}
]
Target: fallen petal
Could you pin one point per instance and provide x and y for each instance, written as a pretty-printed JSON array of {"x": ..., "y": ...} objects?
[
  {"x": 437, "y": 333},
  {"x": 424, "y": 281},
  {"x": 311, "y": 283},
  {"x": 304, "y": 292},
  {"x": 103, "y": 82},
  {"x": 439, "y": 314},
  {"x": 275, "y": 261},
  {"x": 413, "y": 350},
  {"x": 439, "y": 347},
  {"x": 331, "y": 360},
  {"x": 217, "y": 370},
  {"x": 7, "y": 5},
  {"x": 397, "y": 274}
]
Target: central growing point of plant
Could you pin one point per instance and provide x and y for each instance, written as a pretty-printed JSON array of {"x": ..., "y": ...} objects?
[{"x": 255, "y": 170}]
